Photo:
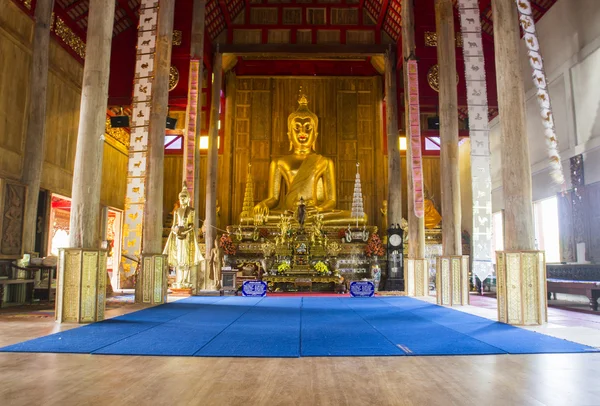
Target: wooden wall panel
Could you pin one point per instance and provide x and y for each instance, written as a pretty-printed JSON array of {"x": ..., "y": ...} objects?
[
  {"x": 62, "y": 112},
  {"x": 114, "y": 168}
]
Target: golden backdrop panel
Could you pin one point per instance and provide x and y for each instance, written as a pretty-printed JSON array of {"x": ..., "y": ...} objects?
[{"x": 349, "y": 129}]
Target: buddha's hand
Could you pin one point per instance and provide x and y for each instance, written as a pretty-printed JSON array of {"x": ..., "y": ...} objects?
[{"x": 261, "y": 211}]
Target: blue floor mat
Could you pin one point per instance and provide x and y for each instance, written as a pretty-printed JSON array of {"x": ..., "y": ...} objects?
[
  {"x": 331, "y": 328},
  {"x": 297, "y": 327},
  {"x": 269, "y": 329}
]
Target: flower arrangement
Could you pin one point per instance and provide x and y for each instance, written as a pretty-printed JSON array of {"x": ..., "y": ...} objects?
[
  {"x": 342, "y": 233},
  {"x": 321, "y": 268},
  {"x": 283, "y": 268},
  {"x": 374, "y": 246},
  {"x": 227, "y": 245}
]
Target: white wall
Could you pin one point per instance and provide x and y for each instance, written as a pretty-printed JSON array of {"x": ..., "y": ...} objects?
[{"x": 569, "y": 35}]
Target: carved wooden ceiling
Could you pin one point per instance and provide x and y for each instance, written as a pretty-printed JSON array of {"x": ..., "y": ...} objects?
[{"x": 362, "y": 22}]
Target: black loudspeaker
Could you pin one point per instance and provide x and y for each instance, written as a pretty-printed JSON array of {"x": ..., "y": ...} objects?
[
  {"x": 119, "y": 121},
  {"x": 433, "y": 123},
  {"x": 171, "y": 123}
]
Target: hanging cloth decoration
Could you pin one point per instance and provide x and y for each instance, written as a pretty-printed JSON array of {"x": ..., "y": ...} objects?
[
  {"x": 481, "y": 249},
  {"x": 539, "y": 81},
  {"x": 192, "y": 122},
  {"x": 414, "y": 140}
]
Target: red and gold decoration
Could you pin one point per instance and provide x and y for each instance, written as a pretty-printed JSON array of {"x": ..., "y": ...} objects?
[
  {"x": 192, "y": 123},
  {"x": 374, "y": 246},
  {"x": 227, "y": 245},
  {"x": 414, "y": 116}
]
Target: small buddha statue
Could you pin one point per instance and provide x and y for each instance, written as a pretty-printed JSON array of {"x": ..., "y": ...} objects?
[
  {"x": 182, "y": 246},
  {"x": 305, "y": 174}
]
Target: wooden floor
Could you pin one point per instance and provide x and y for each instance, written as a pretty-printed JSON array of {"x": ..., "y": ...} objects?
[{"x": 65, "y": 379}]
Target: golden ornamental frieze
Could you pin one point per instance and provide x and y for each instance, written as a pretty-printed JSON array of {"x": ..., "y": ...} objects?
[
  {"x": 173, "y": 78},
  {"x": 433, "y": 77},
  {"x": 431, "y": 39},
  {"x": 69, "y": 37}
]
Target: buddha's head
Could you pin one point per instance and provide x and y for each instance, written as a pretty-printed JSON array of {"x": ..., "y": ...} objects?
[
  {"x": 302, "y": 127},
  {"x": 184, "y": 196}
]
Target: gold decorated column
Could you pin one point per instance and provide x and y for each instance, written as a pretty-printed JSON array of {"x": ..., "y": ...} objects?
[
  {"x": 448, "y": 107},
  {"x": 212, "y": 162},
  {"x": 521, "y": 271},
  {"x": 452, "y": 268},
  {"x": 393, "y": 141},
  {"x": 153, "y": 211},
  {"x": 191, "y": 152},
  {"x": 416, "y": 269},
  {"x": 151, "y": 284},
  {"x": 416, "y": 225},
  {"x": 82, "y": 267},
  {"x": 36, "y": 126}
]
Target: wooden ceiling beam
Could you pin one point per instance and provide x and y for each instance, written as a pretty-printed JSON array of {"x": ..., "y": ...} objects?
[
  {"x": 382, "y": 13},
  {"x": 265, "y": 50},
  {"x": 130, "y": 13}
]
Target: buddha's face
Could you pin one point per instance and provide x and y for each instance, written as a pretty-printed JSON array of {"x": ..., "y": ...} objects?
[
  {"x": 302, "y": 133},
  {"x": 184, "y": 200}
]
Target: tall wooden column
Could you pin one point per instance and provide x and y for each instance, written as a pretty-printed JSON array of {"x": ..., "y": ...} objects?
[
  {"x": 153, "y": 215},
  {"x": 446, "y": 52},
  {"x": 521, "y": 271},
  {"x": 87, "y": 179},
  {"x": 416, "y": 225},
  {"x": 212, "y": 162},
  {"x": 151, "y": 285},
  {"x": 191, "y": 152},
  {"x": 416, "y": 269},
  {"x": 393, "y": 147},
  {"x": 516, "y": 168},
  {"x": 36, "y": 128},
  {"x": 82, "y": 267}
]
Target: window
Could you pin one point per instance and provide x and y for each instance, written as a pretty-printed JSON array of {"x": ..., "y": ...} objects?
[{"x": 545, "y": 214}]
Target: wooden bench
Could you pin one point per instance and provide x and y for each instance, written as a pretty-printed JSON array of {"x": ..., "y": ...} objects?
[
  {"x": 574, "y": 279},
  {"x": 591, "y": 289}
]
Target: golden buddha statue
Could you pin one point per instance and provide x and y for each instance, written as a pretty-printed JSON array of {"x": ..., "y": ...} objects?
[
  {"x": 305, "y": 174},
  {"x": 432, "y": 216},
  {"x": 182, "y": 248}
]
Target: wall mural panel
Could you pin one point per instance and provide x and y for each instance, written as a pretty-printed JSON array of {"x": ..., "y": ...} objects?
[{"x": 12, "y": 208}]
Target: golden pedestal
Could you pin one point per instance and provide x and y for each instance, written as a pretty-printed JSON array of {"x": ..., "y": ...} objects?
[
  {"x": 151, "y": 283},
  {"x": 521, "y": 284},
  {"x": 81, "y": 288},
  {"x": 452, "y": 280},
  {"x": 416, "y": 277}
]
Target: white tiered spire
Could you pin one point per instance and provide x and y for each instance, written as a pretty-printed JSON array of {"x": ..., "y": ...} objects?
[{"x": 358, "y": 208}]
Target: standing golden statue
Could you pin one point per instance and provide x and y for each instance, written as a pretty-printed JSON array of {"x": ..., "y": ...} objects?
[
  {"x": 305, "y": 174},
  {"x": 182, "y": 248}
]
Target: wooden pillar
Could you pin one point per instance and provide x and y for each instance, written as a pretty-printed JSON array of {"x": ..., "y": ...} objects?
[
  {"x": 36, "y": 128},
  {"x": 516, "y": 168},
  {"x": 87, "y": 179},
  {"x": 191, "y": 159},
  {"x": 212, "y": 161},
  {"x": 153, "y": 211},
  {"x": 416, "y": 225},
  {"x": 393, "y": 147},
  {"x": 446, "y": 52}
]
